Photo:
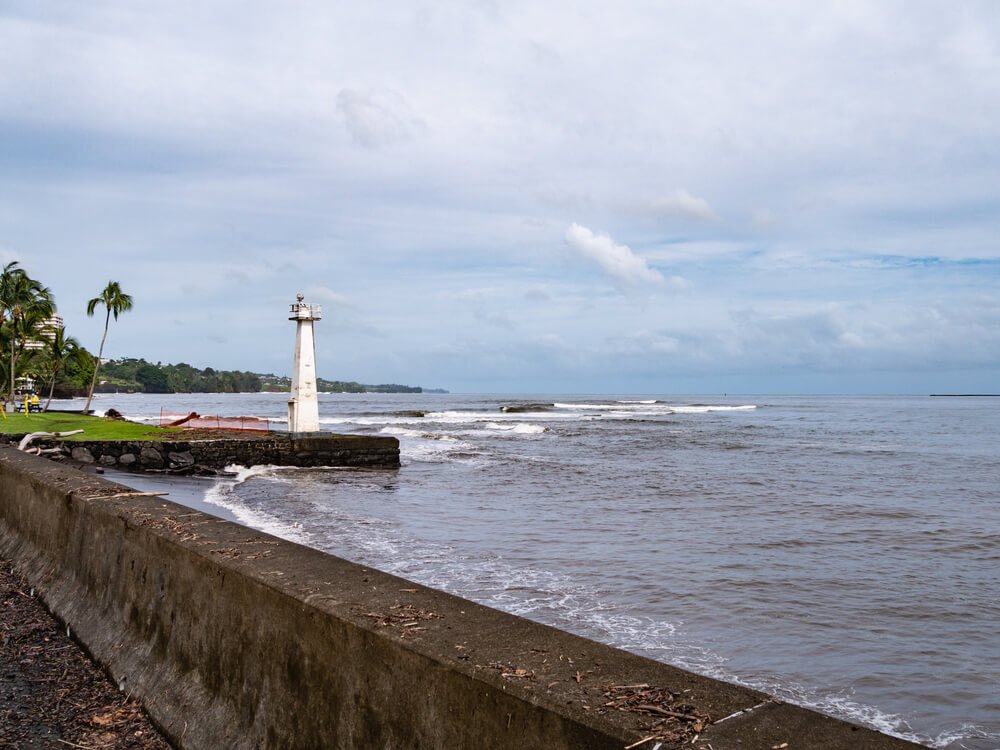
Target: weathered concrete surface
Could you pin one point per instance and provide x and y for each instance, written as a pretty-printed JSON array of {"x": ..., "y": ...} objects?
[
  {"x": 182, "y": 456},
  {"x": 235, "y": 639}
]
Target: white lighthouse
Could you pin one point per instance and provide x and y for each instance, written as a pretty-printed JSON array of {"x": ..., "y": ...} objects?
[{"x": 303, "y": 405}]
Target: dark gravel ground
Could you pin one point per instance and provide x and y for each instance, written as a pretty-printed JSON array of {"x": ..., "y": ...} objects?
[{"x": 51, "y": 694}]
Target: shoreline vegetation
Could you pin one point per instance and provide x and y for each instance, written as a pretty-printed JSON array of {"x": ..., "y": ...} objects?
[
  {"x": 86, "y": 427},
  {"x": 93, "y": 428}
]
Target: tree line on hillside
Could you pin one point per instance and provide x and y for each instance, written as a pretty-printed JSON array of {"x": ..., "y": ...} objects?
[
  {"x": 134, "y": 375},
  {"x": 283, "y": 383},
  {"x": 130, "y": 374}
]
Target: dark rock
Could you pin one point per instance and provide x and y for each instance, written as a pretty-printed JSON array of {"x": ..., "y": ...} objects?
[
  {"x": 180, "y": 459},
  {"x": 151, "y": 458},
  {"x": 83, "y": 455},
  {"x": 518, "y": 408}
]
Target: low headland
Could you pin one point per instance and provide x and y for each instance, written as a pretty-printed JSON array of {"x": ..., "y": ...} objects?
[{"x": 132, "y": 375}]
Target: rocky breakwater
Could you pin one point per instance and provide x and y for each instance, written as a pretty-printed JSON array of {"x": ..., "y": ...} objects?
[{"x": 212, "y": 455}]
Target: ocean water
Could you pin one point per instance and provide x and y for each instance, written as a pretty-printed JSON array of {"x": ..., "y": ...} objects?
[{"x": 840, "y": 553}]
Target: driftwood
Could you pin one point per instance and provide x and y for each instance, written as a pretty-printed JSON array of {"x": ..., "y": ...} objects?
[
  {"x": 45, "y": 451},
  {"x": 33, "y": 436},
  {"x": 183, "y": 420},
  {"x": 127, "y": 494}
]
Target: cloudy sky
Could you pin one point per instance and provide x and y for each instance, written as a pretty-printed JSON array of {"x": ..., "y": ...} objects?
[{"x": 675, "y": 196}]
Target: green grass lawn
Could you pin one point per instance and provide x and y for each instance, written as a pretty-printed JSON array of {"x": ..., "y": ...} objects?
[{"x": 94, "y": 428}]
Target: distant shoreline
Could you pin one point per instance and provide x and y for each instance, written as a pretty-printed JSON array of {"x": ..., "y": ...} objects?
[{"x": 965, "y": 395}]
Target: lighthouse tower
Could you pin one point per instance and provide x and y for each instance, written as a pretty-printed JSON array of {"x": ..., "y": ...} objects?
[{"x": 303, "y": 405}]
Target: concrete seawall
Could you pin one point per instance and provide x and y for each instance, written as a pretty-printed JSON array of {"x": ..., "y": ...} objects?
[
  {"x": 236, "y": 639},
  {"x": 181, "y": 456}
]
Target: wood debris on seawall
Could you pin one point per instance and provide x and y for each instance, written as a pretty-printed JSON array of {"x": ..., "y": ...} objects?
[{"x": 52, "y": 692}]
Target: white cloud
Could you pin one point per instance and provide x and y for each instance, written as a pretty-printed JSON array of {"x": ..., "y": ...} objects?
[
  {"x": 377, "y": 119},
  {"x": 327, "y": 295},
  {"x": 643, "y": 343},
  {"x": 973, "y": 46},
  {"x": 537, "y": 294},
  {"x": 498, "y": 319},
  {"x": 624, "y": 267},
  {"x": 255, "y": 159},
  {"x": 762, "y": 219},
  {"x": 681, "y": 203}
]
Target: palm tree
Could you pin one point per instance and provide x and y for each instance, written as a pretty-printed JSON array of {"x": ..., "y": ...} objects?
[
  {"x": 7, "y": 277},
  {"x": 24, "y": 304},
  {"x": 59, "y": 351},
  {"x": 116, "y": 302}
]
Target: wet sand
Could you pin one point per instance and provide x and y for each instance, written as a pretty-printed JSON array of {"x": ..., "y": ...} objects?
[{"x": 186, "y": 491}]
